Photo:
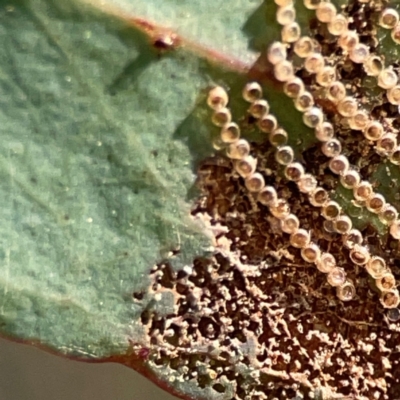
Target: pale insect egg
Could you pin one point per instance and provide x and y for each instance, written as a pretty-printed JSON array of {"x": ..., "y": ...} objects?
[
  {"x": 284, "y": 155},
  {"x": 291, "y": 33},
  {"x": 314, "y": 63},
  {"x": 395, "y": 229},
  {"x": 386, "y": 144},
  {"x": 395, "y": 34},
  {"x": 389, "y": 18},
  {"x": 390, "y": 298},
  {"x": 336, "y": 92},
  {"x": 376, "y": 267},
  {"x": 280, "y": 209},
  {"x": 346, "y": 292},
  {"x": 387, "y": 78},
  {"x": 347, "y": 107},
  {"x": 326, "y": 263},
  {"x": 283, "y": 71},
  {"x": 304, "y": 47},
  {"x": 373, "y": 65},
  {"x": 359, "y": 53},
  {"x": 339, "y": 165},
  {"x": 338, "y": 25},
  {"x": 373, "y": 131},
  {"x": 376, "y": 203},
  {"x": 304, "y": 101},
  {"x": 300, "y": 238},
  {"x": 318, "y": 197},
  {"x": 324, "y": 132},
  {"x": 217, "y": 98},
  {"x": 267, "y": 123},
  {"x": 328, "y": 226},
  {"x": 393, "y": 314},
  {"x": 255, "y": 182},
  {"x": 363, "y": 191},
  {"x": 394, "y": 157},
  {"x": 386, "y": 282},
  {"x": 342, "y": 224},
  {"x": 352, "y": 239},
  {"x": 293, "y": 88},
  {"x": 311, "y": 4},
  {"x": 221, "y": 117},
  {"x": 286, "y": 15},
  {"x": 258, "y": 108},
  {"x": 307, "y": 183},
  {"x": 246, "y": 166},
  {"x": 290, "y": 224},
  {"x": 267, "y": 196},
  {"x": 230, "y": 133},
  {"x": 331, "y": 148},
  {"x": 311, "y": 253},
  {"x": 313, "y": 117},
  {"x": 388, "y": 215},
  {"x": 359, "y": 255},
  {"x": 350, "y": 179},
  {"x": 294, "y": 171},
  {"x": 348, "y": 40},
  {"x": 252, "y": 92},
  {"x": 393, "y": 95},
  {"x": 359, "y": 120},
  {"x": 283, "y": 3},
  {"x": 325, "y": 12},
  {"x": 276, "y": 53},
  {"x": 239, "y": 149},
  {"x": 326, "y": 76},
  {"x": 278, "y": 137},
  {"x": 330, "y": 210}
]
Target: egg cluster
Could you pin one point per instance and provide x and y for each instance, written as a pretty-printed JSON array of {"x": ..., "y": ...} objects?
[{"x": 327, "y": 87}]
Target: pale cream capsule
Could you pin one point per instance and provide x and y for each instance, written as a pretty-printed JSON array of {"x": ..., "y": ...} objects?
[
  {"x": 373, "y": 65},
  {"x": 314, "y": 63},
  {"x": 331, "y": 148},
  {"x": 255, "y": 182},
  {"x": 258, "y": 108},
  {"x": 325, "y": 12},
  {"x": 386, "y": 144},
  {"x": 304, "y": 47},
  {"x": 350, "y": 179},
  {"x": 331, "y": 210},
  {"x": 283, "y": 3},
  {"x": 313, "y": 117},
  {"x": 347, "y": 107},
  {"x": 388, "y": 215},
  {"x": 280, "y": 209},
  {"x": 267, "y": 123},
  {"x": 376, "y": 267},
  {"x": 283, "y": 71},
  {"x": 373, "y": 130},
  {"x": 395, "y": 34},
  {"x": 278, "y": 137},
  {"x": 307, "y": 183},
  {"x": 300, "y": 238},
  {"x": 276, "y": 53},
  {"x": 246, "y": 166},
  {"x": 318, "y": 197},
  {"x": 346, "y": 292},
  {"x": 286, "y": 15},
  {"x": 339, "y": 165},
  {"x": 324, "y": 132},
  {"x": 294, "y": 171},
  {"x": 386, "y": 282},
  {"x": 326, "y": 262},
  {"x": 268, "y": 196},
  {"x": 359, "y": 255},
  {"x": 326, "y": 76},
  {"x": 230, "y": 133},
  {"x": 393, "y": 95},
  {"x": 304, "y": 101},
  {"x": 291, "y": 33},
  {"x": 221, "y": 117},
  {"x": 252, "y": 92},
  {"x": 284, "y": 155},
  {"x": 290, "y": 224},
  {"x": 359, "y": 53},
  {"x": 311, "y": 253},
  {"x": 359, "y": 121},
  {"x": 376, "y": 203},
  {"x": 239, "y": 149},
  {"x": 352, "y": 239},
  {"x": 348, "y": 40},
  {"x": 342, "y": 224},
  {"x": 338, "y": 25},
  {"x": 294, "y": 87},
  {"x": 336, "y": 92},
  {"x": 387, "y": 78},
  {"x": 388, "y": 18},
  {"x": 311, "y": 4},
  {"x": 390, "y": 298},
  {"x": 363, "y": 191},
  {"x": 395, "y": 229},
  {"x": 336, "y": 277},
  {"x": 394, "y": 157},
  {"x": 217, "y": 98}
]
